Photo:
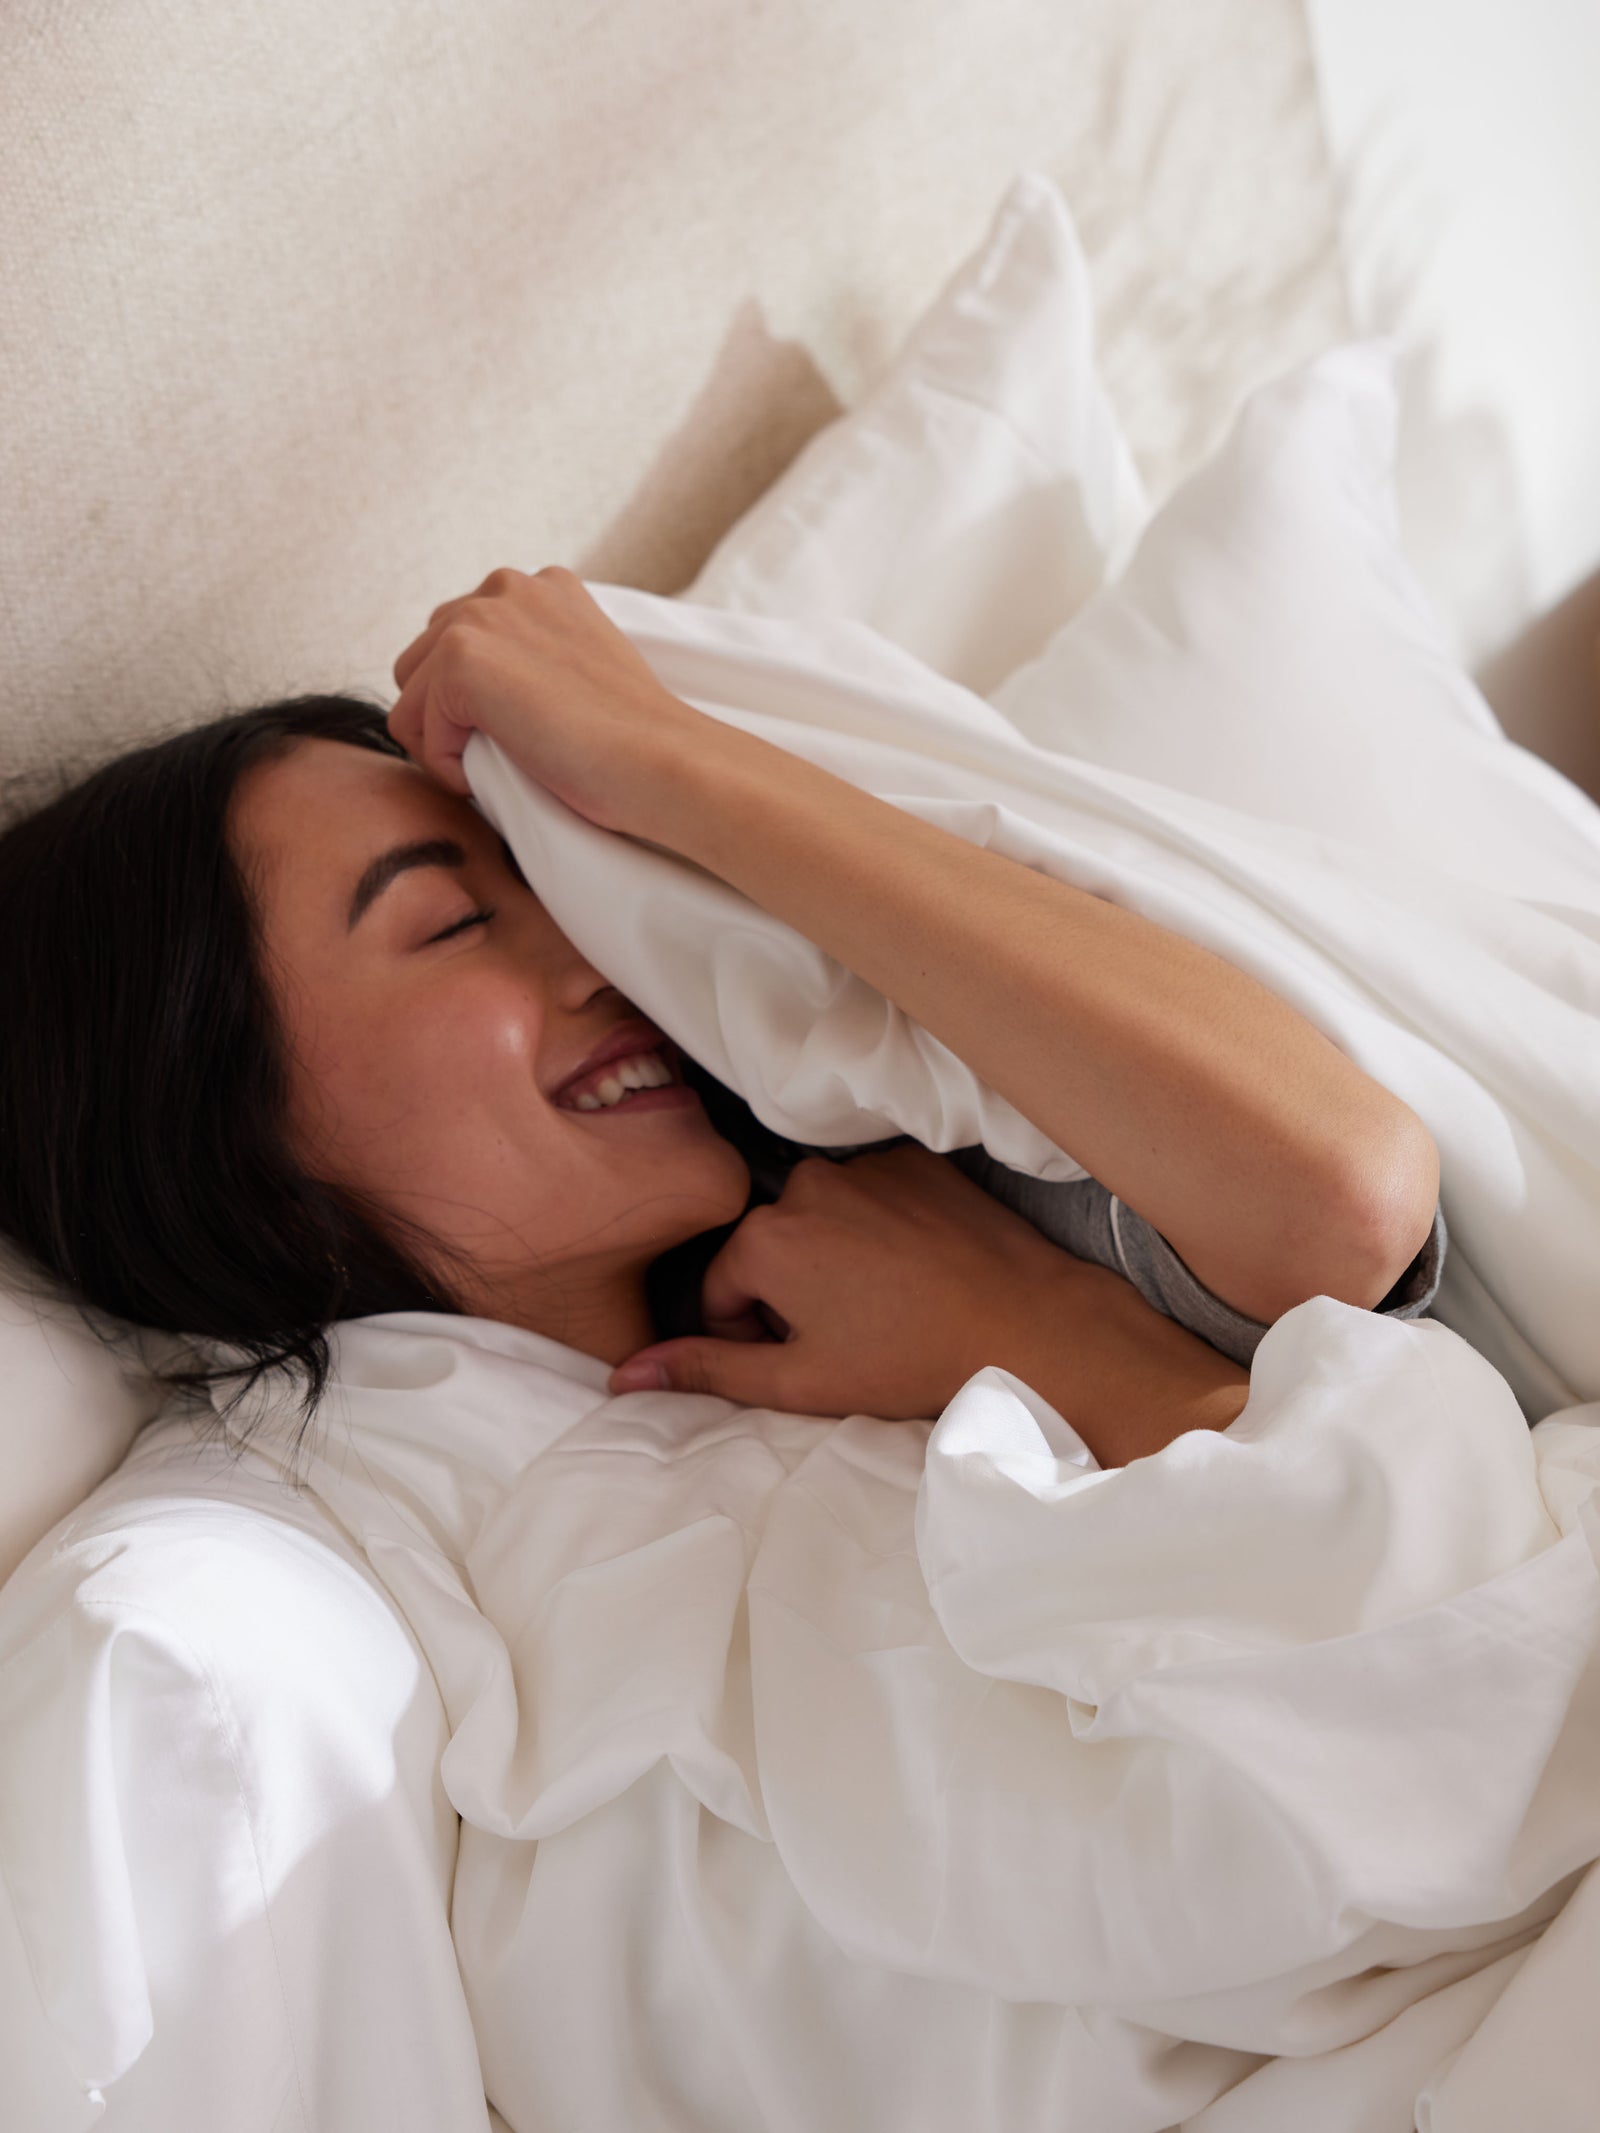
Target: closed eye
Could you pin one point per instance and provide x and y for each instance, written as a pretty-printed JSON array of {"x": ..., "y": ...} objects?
[{"x": 473, "y": 918}]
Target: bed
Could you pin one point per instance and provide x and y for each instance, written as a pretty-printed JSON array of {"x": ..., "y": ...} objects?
[{"x": 236, "y": 483}]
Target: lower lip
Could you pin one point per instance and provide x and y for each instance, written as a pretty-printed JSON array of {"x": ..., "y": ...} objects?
[{"x": 672, "y": 1096}]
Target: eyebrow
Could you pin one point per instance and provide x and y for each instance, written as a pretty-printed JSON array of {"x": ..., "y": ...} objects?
[{"x": 398, "y": 860}]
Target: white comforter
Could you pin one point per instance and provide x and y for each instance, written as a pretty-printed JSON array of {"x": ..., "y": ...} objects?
[
  {"x": 818, "y": 1775},
  {"x": 1259, "y": 1741},
  {"x": 1477, "y": 1005},
  {"x": 893, "y": 1776}
]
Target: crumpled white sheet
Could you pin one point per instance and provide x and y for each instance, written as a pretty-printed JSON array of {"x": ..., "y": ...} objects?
[
  {"x": 923, "y": 1776},
  {"x": 934, "y": 1778},
  {"x": 909, "y": 1777},
  {"x": 1477, "y": 1006}
]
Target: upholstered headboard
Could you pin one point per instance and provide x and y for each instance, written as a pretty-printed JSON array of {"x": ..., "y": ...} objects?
[{"x": 311, "y": 316}]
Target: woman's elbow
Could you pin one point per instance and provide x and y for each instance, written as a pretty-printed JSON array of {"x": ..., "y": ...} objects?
[{"x": 1384, "y": 1208}]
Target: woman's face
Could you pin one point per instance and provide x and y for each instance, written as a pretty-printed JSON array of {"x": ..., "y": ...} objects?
[{"x": 431, "y": 1007}]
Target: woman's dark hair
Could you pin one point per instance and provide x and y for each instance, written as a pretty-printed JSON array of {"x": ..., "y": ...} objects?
[
  {"x": 144, "y": 1163},
  {"x": 144, "y": 1158}
]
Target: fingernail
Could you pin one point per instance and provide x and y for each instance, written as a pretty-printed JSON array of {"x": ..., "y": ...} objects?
[{"x": 639, "y": 1375}]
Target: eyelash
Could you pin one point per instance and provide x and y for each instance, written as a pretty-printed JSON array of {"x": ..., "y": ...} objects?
[{"x": 473, "y": 918}]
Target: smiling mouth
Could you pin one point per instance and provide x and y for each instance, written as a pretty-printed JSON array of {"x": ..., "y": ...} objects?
[{"x": 643, "y": 1080}]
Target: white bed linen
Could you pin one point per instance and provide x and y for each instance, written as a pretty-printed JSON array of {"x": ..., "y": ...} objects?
[
  {"x": 859, "y": 1774},
  {"x": 225, "y": 1850},
  {"x": 1475, "y": 1004},
  {"x": 818, "y": 1773}
]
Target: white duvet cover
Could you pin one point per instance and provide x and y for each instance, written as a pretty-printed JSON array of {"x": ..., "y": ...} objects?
[
  {"x": 1477, "y": 1005},
  {"x": 919, "y": 1776},
  {"x": 875, "y": 1775},
  {"x": 1252, "y": 1746},
  {"x": 912, "y": 1777}
]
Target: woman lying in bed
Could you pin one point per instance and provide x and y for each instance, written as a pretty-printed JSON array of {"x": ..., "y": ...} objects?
[{"x": 302, "y": 1045}]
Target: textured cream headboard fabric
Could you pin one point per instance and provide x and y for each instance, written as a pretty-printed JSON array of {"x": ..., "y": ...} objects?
[{"x": 311, "y": 315}]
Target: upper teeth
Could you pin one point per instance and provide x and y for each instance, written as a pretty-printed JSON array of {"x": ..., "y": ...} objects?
[{"x": 644, "y": 1070}]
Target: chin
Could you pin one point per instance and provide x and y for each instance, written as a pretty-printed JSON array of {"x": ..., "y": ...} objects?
[
  {"x": 728, "y": 1183},
  {"x": 708, "y": 1194},
  {"x": 673, "y": 1278}
]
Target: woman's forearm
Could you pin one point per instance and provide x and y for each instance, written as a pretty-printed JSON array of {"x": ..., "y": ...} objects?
[{"x": 1269, "y": 1161}]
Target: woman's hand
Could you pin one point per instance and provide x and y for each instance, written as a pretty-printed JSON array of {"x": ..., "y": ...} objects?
[
  {"x": 536, "y": 664},
  {"x": 891, "y": 1279},
  {"x": 898, "y": 1279}
]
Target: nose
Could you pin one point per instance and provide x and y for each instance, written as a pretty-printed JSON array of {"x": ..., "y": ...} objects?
[{"x": 581, "y": 984}]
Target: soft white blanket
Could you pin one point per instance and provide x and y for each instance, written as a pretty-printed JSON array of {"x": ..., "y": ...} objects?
[
  {"x": 1476, "y": 1005},
  {"x": 882, "y": 1777},
  {"x": 923, "y": 1775}
]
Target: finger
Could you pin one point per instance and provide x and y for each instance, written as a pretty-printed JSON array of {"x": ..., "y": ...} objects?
[
  {"x": 444, "y": 744},
  {"x": 418, "y": 649},
  {"x": 738, "y": 1282},
  {"x": 750, "y": 1325},
  {"x": 405, "y": 719},
  {"x": 496, "y": 584},
  {"x": 750, "y": 1374},
  {"x": 502, "y": 581},
  {"x": 426, "y": 638},
  {"x": 434, "y": 741}
]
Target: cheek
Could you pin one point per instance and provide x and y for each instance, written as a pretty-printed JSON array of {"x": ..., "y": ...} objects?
[
  {"x": 399, "y": 1086},
  {"x": 474, "y": 1049}
]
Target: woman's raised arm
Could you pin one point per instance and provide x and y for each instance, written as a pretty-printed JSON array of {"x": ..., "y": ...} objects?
[{"x": 1272, "y": 1164}]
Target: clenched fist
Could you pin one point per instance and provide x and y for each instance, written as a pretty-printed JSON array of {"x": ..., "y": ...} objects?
[
  {"x": 535, "y": 663},
  {"x": 875, "y": 1286}
]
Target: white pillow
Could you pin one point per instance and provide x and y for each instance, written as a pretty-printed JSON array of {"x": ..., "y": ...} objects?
[
  {"x": 69, "y": 1409},
  {"x": 1269, "y": 648},
  {"x": 966, "y": 509},
  {"x": 979, "y": 496}
]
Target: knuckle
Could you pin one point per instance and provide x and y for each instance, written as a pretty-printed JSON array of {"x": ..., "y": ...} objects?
[
  {"x": 753, "y": 1233},
  {"x": 810, "y": 1172},
  {"x": 503, "y": 580}
]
